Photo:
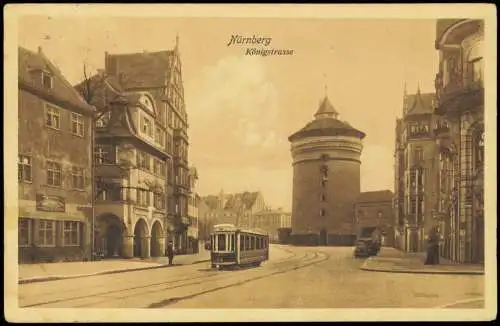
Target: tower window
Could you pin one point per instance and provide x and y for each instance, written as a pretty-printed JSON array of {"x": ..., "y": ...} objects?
[
  {"x": 322, "y": 197},
  {"x": 322, "y": 212}
]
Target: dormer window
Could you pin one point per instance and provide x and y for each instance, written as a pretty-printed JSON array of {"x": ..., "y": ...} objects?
[{"x": 47, "y": 80}]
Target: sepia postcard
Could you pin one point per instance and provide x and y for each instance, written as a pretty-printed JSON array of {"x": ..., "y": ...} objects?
[{"x": 250, "y": 162}]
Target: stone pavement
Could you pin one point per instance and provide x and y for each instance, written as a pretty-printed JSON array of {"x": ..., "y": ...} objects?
[
  {"x": 30, "y": 273},
  {"x": 396, "y": 261}
]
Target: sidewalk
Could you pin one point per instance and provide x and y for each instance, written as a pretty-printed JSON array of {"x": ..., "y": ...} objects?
[
  {"x": 395, "y": 261},
  {"x": 30, "y": 273}
]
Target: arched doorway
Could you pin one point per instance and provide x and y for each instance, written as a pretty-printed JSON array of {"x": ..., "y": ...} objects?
[
  {"x": 114, "y": 239},
  {"x": 323, "y": 237},
  {"x": 108, "y": 235},
  {"x": 157, "y": 240},
  {"x": 140, "y": 238}
]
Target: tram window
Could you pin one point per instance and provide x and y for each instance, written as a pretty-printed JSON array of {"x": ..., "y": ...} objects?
[
  {"x": 221, "y": 239},
  {"x": 253, "y": 243},
  {"x": 247, "y": 242},
  {"x": 258, "y": 243},
  {"x": 242, "y": 242},
  {"x": 232, "y": 242}
]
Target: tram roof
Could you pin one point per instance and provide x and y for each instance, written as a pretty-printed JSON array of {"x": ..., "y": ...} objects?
[{"x": 232, "y": 228}]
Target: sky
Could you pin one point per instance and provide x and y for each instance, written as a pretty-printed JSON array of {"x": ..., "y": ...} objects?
[{"x": 241, "y": 109}]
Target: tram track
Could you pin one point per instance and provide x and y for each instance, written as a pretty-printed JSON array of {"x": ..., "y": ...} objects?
[
  {"x": 224, "y": 277},
  {"x": 113, "y": 280},
  {"x": 172, "y": 284},
  {"x": 169, "y": 301}
]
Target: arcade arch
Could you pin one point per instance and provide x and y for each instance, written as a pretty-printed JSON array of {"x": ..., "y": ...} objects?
[
  {"x": 141, "y": 239},
  {"x": 157, "y": 240}
]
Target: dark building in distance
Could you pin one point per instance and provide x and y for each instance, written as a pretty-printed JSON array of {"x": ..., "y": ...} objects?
[
  {"x": 374, "y": 209},
  {"x": 326, "y": 179}
]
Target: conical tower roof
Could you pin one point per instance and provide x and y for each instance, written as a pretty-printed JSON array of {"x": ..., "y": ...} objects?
[
  {"x": 326, "y": 123},
  {"x": 326, "y": 110}
]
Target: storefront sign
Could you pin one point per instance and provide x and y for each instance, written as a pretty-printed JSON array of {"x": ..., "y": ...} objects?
[{"x": 48, "y": 203}]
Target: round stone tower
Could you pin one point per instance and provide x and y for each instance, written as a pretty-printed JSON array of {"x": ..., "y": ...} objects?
[{"x": 326, "y": 179}]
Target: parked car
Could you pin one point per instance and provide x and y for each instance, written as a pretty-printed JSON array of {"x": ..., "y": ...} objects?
[{"x": 366, "y": 247}]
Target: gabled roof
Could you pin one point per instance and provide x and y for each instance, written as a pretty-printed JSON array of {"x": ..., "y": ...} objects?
[
  {"x": 375, "y": 196},
  {"x": 138, "y": 70},
  {"x": 420, "y": 103},
  {"x": 244, "y": 200},
  {"x": 62, "y": 91},
  {"x": 210, "y": 201},
  {"x": 99, "y": 90}
]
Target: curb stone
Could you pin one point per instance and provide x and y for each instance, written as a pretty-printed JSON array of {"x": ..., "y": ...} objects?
[
  {"x": 116, "y": 271},
  {"x": 418, "y": 271}
]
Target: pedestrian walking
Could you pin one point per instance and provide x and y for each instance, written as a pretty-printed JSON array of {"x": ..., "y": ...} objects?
[{"x": 170, "y": 253}]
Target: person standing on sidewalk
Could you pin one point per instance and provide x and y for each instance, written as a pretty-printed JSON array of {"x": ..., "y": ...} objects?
[
  {"x": 170, "y": 253},
  {"x": 433, "y": 247}
]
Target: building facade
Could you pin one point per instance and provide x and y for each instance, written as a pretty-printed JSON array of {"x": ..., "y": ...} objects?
[
  {"x": 271, "y": 221},
  {"x": 416, "y": 172},
  {"x": 326, "y": 179},
  {"x": 193, "y": 212},
  {"x": 374, "y": 209},
  {"x": 460, "y": 138},
  {"x": 237, "y": 209},
  {"x": 54, "y": 164},
  {"x": 141, "y": 170}
]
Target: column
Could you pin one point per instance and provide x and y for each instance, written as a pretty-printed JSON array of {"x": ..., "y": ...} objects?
[
  {"x": 161, "y": 246},
  {"x": 146, "y": 247},
  {"x": 128, "y": 246}
]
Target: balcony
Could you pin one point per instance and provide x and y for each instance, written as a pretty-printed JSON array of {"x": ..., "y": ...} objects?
[
  {"x": 180, "y": 161},
  {"x": 180, "y": 133},
  {"x": 111, "y": 170},
  {"x": 419, "y": 135},
  {"x": 441, "y": 130},
  {"x": 455, "y": 97},
  {"x": 181, "y": 190}
]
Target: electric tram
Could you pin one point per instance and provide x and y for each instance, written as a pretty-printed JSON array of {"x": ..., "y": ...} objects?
[{"x": 233, "y": 246}]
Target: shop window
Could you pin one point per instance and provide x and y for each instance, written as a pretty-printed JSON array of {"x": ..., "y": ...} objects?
[
  {"x": 46, "y": 233},
  {"x": 24, "y": 232},
  {"x": 71, "y": 233}
]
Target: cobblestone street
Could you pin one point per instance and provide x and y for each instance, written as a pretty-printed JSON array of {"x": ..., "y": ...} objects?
[{"x": 294, "y": 277}]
